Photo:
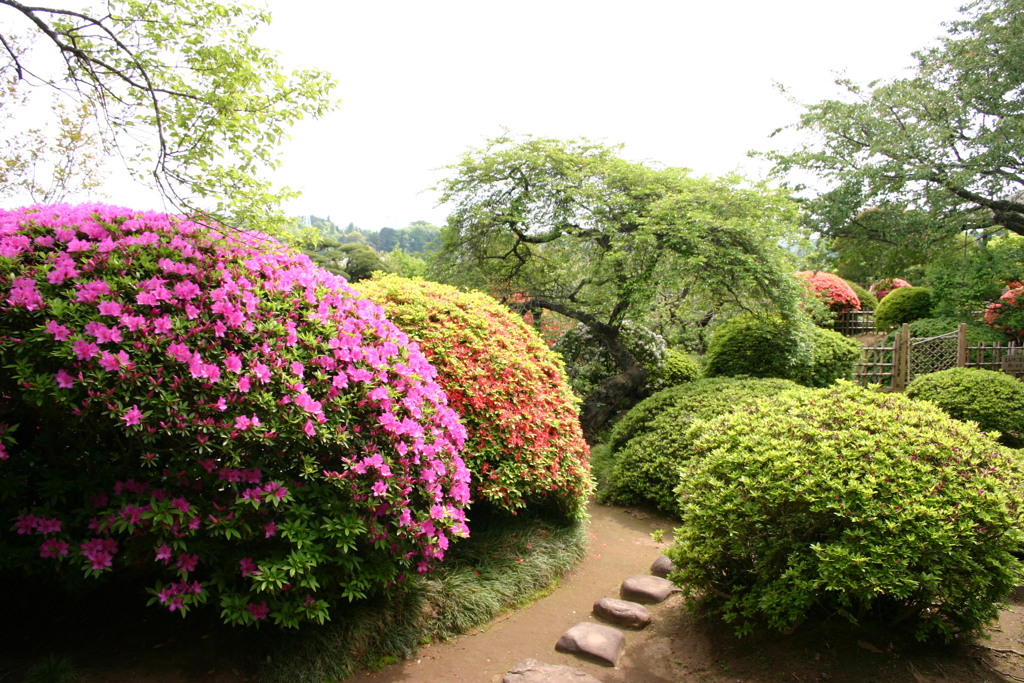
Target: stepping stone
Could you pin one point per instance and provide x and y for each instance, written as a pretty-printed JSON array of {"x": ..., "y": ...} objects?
[
  {"x": 532, "y": 671},
  {"x": 600, "y": 642},
  {"x": 646, "y": 588},
  {"x": 622, "y": 613},
  {"x": 662, "y": 566}
]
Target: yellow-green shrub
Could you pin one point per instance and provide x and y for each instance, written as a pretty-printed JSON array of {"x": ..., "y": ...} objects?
[{"x": 844, "y": 501}]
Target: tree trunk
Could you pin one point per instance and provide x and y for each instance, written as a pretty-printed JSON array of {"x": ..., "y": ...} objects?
[{"x": 601, "y": 405}]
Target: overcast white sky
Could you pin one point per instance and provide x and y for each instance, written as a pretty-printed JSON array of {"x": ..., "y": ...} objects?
[{"x": 681, "y": 82}]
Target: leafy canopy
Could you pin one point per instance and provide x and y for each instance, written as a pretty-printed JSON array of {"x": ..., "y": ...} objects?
[
  {"x": 572, "y": 228},
  {"x": 195, "y": 108},
  {"x": 946, "y": 140}
]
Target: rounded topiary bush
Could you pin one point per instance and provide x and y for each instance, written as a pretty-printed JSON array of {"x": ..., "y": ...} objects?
[
  {"x": 833, "y": 290},
  {"x": 524, "y": 445},
  {"x": 587, "y": 361},
  {"x": 210, "y": 408},
  {"x": 648, "y": 445},
  {"x": 1007, "y": 314},
  {"x": 867, "y": 300},
  {"x": 679, "y": 368},
  {"x": 903, "y": 305},
  {"x": 882, "y": 288},
  {"x": 833, "y": 357},
  {"x": 766, "y": 346},
  {"x": 992, "y": 399},
  {"x": 843, "y": 501}
]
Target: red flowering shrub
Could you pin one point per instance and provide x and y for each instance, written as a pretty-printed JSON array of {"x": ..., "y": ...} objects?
[
  {"x": 886, "y": 285},
  {"x": 215, "y": 409},
  {"x": 1007, "y": 314},
  {"x": 523, "y": 439},
  {"x": 833, "y": 290}
]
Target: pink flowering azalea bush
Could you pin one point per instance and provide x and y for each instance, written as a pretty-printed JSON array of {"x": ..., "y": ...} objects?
[
  {"x": 886, "y": 285},
  {"x": 524, "y": 444},
  {"x": 1007, "y": 314},
  {"x": 212, "y": 409},
  {"x": 832, "y": 290}
]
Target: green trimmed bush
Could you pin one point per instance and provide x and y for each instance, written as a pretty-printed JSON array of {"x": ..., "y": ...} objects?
[
  {"x": 992, "y": 399},
  {"x": 647, "y": 444},
  {"x": 868, "y": 302},
  {"x": 844, "y": 501},
  {"x": 679, "y": 368},
  {"x": 832, "y": 358},
  {"x": 766, "y": 346},
  {"x": 524, "y": 446},
  {"x": 903, "y": 305}
]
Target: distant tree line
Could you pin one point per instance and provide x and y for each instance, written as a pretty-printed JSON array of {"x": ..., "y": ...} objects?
[
  {"x": 356, "y": 253},
  {"x": 416, "y": 238}
]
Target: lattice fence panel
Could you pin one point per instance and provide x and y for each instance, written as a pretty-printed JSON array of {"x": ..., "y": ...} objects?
[{"x": 932, "y": 354}]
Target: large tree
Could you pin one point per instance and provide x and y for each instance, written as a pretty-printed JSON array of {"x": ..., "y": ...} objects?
[
  {"x": 570, "y": 227},
  {"x": 194, "y": 107},
  {"x": 947, "y": 140}
]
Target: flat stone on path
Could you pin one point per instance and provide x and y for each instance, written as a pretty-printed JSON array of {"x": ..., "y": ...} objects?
[
  {"x": 662, "y": 566},
  {"x": 601, "y": 642},
  {"x": 532, "y": 671},
  {"x": 646, "y": 588},
  {"x": 622, "y": 613}
]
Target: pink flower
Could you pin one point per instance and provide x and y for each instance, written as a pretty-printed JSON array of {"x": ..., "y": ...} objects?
[
  {"x": 247, "y": 566},
  {"x": 233, "y": 363},
  {"x": 110, "y": 308},
  {"x": 64, "y": 379},
  {"x": 53, "y": 547},
  {"x": 258, "y": 612},
  {"x": 309, "y": 428},
  {"x": 269, "y": 529},
  {"x": 187, "y": 563},
  {"x": 163, "y": 553},
  {"x": 132, "y": 416},
  {"x": 84, "y": 350},
  {"x": 59, "y": 332},
  {"x": 100, "y": 552}
]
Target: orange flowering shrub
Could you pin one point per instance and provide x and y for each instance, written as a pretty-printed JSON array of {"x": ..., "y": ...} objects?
[
  {"x": 1007, "y": 314},
  {"x": 524, "y": 445},
  {"x": 886, "y": 285},
  {"x": 833, "y": 290}
]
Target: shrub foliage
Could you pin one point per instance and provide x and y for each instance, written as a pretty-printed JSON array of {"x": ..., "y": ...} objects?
[
  {"x": 212, "y": 408},
  {"x": 867, "y": 300},
  {"x": 992, "y": 399},
  {"x": 766, "y": 346},
  {"x": 868, "y": 505},
  {"x": 524, "y": 444},
  {"x": 903, "y": 305},
  {"x": 650, "y": 443},
  {"x": 679, "y": 368}
]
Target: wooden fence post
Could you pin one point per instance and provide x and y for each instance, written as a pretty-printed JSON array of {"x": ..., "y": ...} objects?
[
  {"x": 903, "y": 369},
  {"x": 961, "y": 345}
]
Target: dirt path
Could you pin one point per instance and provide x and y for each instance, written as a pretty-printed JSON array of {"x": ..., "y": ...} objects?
[{"x": 620, "y": 544}]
